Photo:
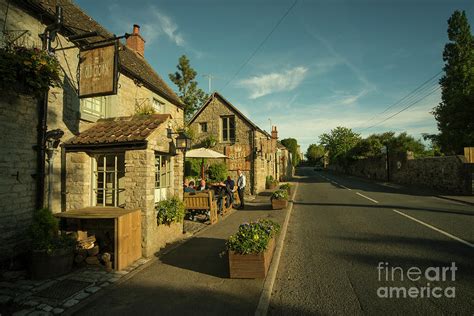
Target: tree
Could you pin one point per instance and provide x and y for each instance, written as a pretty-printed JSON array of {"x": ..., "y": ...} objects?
[
  {"x": 314, "y": 153},
  {"x": 455, "y": 113},
  {"x": 339, "y": 142},
  {"x": 292, "y": 145},
  {"x": 192, "y": 96}
]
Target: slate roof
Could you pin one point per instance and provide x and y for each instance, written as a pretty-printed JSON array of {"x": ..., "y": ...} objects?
[
  {"x": 76, "y": 21},
  {"x": 119, "y": 130}
]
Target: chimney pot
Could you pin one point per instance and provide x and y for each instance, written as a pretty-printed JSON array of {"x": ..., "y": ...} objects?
[{"x": 136, "y": 29}]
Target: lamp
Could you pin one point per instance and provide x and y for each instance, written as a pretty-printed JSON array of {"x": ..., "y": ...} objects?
[{"x": 183, "y": 142}]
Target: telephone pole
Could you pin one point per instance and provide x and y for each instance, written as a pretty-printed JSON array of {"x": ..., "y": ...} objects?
[{"x": 209, "y": 78}]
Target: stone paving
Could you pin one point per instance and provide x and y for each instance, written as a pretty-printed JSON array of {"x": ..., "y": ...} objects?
[{"x": 21, "y": 292}]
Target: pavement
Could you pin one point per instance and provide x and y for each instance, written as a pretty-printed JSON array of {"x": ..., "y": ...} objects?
[
  {"x": 191, "y": 278},
  {"x": 343, "y": 228}
]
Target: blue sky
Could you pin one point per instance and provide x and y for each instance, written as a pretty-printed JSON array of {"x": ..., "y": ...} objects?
[{"x": 328, "y": 64}]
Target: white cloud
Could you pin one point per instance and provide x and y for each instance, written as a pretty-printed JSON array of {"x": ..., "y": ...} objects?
[
  {"x": 262, "y": 85},
  {"x": 168, "y": 27}
]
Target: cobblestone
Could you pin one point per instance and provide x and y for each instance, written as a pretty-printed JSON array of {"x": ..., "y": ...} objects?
[
  {"x": 5, "y": 299},
  {"x": 81, "y": 296},
  {"x": 70, "y": 303},
  {"x": 57, "y": 311},
  {"x": 23, "y": 312},
  {"x": 92, "y": 289}
]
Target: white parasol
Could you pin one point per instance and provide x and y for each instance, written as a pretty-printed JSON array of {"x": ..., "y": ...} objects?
[{"x": 204, "y": 153}]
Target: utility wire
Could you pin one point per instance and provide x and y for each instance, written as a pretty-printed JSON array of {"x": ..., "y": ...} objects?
[
  {"x": 404, "y": 109},
  {"x": 407, "y": 97},
  {"x": 260, "y": 46}
]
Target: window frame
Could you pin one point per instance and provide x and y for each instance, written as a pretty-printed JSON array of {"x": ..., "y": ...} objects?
[
  {"x": 201, "y": 129},
  {"x": 164, "y": 180},
  {"x": 101, "y": 173},
  {"x": 161, "y": 109},
  {"x": 226, "y": 131},
  {"x": 89, "y": 113}
]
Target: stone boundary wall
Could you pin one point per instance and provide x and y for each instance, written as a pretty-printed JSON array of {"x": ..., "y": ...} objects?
[{"x": 445, "y": 174}]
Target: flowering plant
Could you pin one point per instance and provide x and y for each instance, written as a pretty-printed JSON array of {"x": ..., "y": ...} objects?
[
  {"x": 34, "y": 69},
  {"x": 280, "y": 195},
  {"x": 253, "y": 237},
  {"x": 286, "y": 187}
]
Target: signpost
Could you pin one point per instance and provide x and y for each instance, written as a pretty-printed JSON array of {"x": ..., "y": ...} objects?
[{"x": 98, "y": 71}]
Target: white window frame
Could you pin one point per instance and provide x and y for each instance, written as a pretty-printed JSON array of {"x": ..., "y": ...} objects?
[
  {"x": 158, "y": 105},
  {"x": 95, "y": 106},
  {"x": 96, "y": 190},
  {"x": 163, "y": 177}
]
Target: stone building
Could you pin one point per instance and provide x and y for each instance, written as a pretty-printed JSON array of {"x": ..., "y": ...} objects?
[
  {"x": 249, "y": 148},
  {"x": 108, "y": 155}
]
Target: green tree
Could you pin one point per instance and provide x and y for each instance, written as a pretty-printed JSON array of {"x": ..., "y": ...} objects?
[
  {"x": 292, "y": 145},
  {"x": 455, "y": 113},
  {"x": 192, "y": 96},
  {"x": 314, "y": 153},
  {"x": 339, "y": 142}
]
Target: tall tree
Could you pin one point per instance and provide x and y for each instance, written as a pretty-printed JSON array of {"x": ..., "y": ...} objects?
[
  {"x": 192, "y": 96},
  {"x": 455, "y": 113},
  {"x": 314, "y": 153},
  {"x": 292, "y": 145},
  {"x": 339, "y": 142}
]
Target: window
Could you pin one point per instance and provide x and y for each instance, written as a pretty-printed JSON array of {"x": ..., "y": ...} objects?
[
  {"x": 109, "y": 178},
  {"x": 203, "y": 127},
  {"x": 228, "y": 129},
  {"x": 162, "y": 171},
  {"x": 158, "y": 106},
  {"x": 94, "y": 106}
]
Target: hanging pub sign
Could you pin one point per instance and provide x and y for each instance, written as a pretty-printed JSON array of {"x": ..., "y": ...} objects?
[
  {"x": 98, "y": 71},
  {"x": 239, "y": 156}
]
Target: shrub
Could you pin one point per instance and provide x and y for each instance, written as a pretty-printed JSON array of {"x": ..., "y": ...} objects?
[
  {"x": 193, "y": 167},
  {"x": 45, "y": 235},
  {"x": 253, "y": 237},
  {"x": 218, "y": 172},
  {"x": 280, "y": 195},
  {"x": 170, "y": 211}
]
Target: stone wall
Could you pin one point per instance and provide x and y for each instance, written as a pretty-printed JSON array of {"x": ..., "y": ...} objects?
[
  {"x": 444, "y": 174},
  {"x": 78, "y": 180}
]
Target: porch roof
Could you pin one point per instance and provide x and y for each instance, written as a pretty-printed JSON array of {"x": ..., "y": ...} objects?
[{"x": 119, "y": 130}]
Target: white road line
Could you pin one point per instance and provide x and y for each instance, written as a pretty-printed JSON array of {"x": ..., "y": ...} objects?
[
  {"x": 436, "y": 229},
  {"x": 367, "y": 197},
  {"x": 449, "y": 201},
  {"x": 345, "y": 187}
]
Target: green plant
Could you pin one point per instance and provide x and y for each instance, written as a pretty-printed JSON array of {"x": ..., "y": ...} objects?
[
  {"x": 218, "y": 172},
  {"x": 280, "y": 195},
  {"x": 285, "y": 186},
  {"x": 269, "y": 181},
  {"x": 33, "y": 69},
  {"x": 45, "y": 235},
  {"x": 252, "y": 237},
  {"x": 144, "y": 109},
  {"x": 210, "y": 141},
  {"x": 192, "y": 167},
  {"x": 170, "y": 211}
]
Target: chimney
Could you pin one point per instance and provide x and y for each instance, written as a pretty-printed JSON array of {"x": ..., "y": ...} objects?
[
  {"x": 136, "y": 42},
  {"x": 274, "y": 132}
]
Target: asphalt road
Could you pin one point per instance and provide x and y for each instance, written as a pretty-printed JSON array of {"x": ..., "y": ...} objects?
[{"x": 343, "y": 228}]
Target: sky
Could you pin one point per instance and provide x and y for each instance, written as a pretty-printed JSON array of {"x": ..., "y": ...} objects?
[{"x": 327, "y": 63}]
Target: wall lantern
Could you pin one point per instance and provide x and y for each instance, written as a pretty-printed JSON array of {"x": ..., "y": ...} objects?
[{"x": 183, "y": 142}]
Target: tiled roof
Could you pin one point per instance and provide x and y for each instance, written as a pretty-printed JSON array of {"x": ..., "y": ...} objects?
[
  {"x": 77, "y": 21},
  {"x": 119, "y": 130}
]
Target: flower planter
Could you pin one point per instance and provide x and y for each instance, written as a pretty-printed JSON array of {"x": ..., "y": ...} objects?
[
  {"x": 279, "y": 204},
  {"x": 251, "y": 266},
  {"x": 271, "y": 186},
  {"x": 45, "y": 266}
]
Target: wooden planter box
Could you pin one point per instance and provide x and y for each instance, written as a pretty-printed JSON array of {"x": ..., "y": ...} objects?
[
  {"x": 279, "y": 204},
  {"x": 251, "y": 266}
]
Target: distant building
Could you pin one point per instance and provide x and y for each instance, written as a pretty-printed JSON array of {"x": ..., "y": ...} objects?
[{"x": 257, "y": 153}]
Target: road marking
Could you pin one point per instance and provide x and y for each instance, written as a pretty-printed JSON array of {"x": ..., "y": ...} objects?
[
  {"x": 450, "y": 201},
  {"x": 345, "y": 187},
  {"x": 367, "y": 197},
  {"x": 436, "y": 229}
]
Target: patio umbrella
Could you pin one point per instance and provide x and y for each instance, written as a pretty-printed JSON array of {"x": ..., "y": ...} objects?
[{"x": 204, "y": 153}]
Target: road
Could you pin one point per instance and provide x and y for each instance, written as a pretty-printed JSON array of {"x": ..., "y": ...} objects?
[{"x": 352, "y": 246}]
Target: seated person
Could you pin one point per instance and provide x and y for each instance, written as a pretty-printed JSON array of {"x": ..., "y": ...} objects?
[
  {"x": 230, "y": 188},
  {"x": 202, "y": 185},
  {"x": 190, "y": 188}
]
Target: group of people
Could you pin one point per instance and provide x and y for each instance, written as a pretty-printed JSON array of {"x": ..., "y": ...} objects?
[{"x": 222, "y": 190}]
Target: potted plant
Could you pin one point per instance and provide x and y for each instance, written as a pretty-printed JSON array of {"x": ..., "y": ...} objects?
[
  {"x": 170, "y": 211},
  {"x": 52, "y": 250},
  {"x": 31, "y": 70},
  {"x": 287, "y": 187},
  {"x": 251, "y": 249},
  {"x": 279, "y": 199},
  {"x": 271, "y": 183}
]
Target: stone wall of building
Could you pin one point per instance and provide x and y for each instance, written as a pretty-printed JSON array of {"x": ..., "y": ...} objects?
[{"x": 78, "y": 179}]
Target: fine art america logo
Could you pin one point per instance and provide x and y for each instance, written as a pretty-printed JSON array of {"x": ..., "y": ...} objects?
[{"x": 429, "y": 278}]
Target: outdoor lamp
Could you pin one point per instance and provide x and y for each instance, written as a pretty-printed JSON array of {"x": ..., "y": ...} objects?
[{"x": 183, "y": 142}]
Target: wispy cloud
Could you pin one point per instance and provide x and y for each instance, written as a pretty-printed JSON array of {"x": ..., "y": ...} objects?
[
  {"x": 266, "y": 84},
  {"x": 168, "y": 27}
]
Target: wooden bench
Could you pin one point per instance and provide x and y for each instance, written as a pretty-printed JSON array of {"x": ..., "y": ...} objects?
[{"x": 202, "y": 201}]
